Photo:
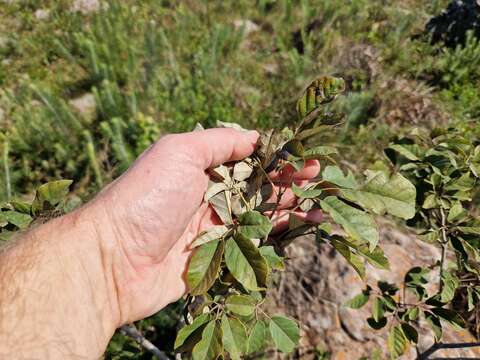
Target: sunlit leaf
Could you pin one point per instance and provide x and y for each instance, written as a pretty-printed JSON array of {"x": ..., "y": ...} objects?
[
  {"x": 397, "y": 342},
  {"x": 334, "y": 175},
  {"x": 256, "y": 339},
  {"x": 377, "y": 309},
  {"x": 359, "y": 300},
  {"x": 186, "y": 331},
  {"x": 16, "y": 218},
  {"x": 353, "y": 259},
  {"x": 204, "y": 267},
  {"x": 254, "y": 225},
  {"x": 210, "y": 346},
  {"x": 245, "y": 262},
  {"x": 214, "y": 233},
  {"x": 306, "y": 193},
  {"x": 356, "y": 223},
  {"x": 383, "y": 194},
  {"x": 243, "y": 305},
  {"x": 284, "y": 332},
  {"x": 274, "y": 261},
  {"x": 52, "y": 193},
  {"x": 234, "y": 337}
]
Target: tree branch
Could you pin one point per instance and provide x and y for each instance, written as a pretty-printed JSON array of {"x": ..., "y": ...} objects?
[
  {"x": 444, "y": 243},
  {"x": 437, "y": 346},
  {"x": 131, "y": 331}
]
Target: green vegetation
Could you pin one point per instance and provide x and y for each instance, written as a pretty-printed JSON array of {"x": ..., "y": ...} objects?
[{"x": 81, "y": 95}]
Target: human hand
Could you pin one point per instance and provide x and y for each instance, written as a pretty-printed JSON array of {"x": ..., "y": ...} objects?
[{"x": 147, "y": 218}]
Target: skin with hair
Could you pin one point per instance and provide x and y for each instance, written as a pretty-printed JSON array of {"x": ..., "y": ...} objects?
[{"x": 65, "y": 286}]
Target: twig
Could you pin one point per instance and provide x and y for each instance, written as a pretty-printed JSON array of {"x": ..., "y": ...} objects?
[
  {"x": 438, "y": 346},
  {"x": 7, "y": 170},
  {"x": 444, "y": 243},
  {"x": 131, "y": 331}
]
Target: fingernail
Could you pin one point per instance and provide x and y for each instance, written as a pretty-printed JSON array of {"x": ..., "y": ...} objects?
[{"x": 252, "y": 135}]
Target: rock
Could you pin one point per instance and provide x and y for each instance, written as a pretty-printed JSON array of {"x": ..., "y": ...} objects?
[
  {"x": 451, "y": 26},
  {"x": 85, "y": 105},
  {"x": 247, "y": 25},
  {"x": 42, "y": 14},
  {"x": 85, "y": 6},
  {"x": 318, "y": 281}
]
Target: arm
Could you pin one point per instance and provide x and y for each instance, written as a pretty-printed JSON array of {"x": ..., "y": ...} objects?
[{"x": 67, "y": 285}]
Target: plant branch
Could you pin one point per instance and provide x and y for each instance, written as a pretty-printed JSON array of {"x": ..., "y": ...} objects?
[
  {"x": 131, "y": 331},
  {"x": 444, "y": 243},
  {"x": 437, "y": 346}
]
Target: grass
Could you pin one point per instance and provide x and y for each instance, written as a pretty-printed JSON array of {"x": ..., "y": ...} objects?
[{"x": 155, "y": 67}]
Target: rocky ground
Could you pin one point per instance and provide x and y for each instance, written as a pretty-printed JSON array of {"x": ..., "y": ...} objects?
[{"x": 318, "y": 281}]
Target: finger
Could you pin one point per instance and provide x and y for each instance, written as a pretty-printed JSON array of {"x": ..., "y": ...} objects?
[
  {"x": 287, "y": 197},
  {"x": 214, "y": 147},
  {"x": 281, "y": 219},
  {"x": 288, "y": 174}
]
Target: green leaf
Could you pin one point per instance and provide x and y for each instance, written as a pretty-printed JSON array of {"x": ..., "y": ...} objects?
[
  {"x": 377, "y": 309},
  {"x": 435, "y": 324},
  {"x": 294, "y": 147},
  {"x": 450, "y": 316},
  {"x": 21, "y": 206},
  {"x": 242, "y": 305},
  {"x": 413, "y": 313},
  {"x": 210, "y": 346},
  {"x": 245, "y": 262},
  {"x": 450, "y": 284},
  {"x": 456, "y": 212},
  {"x": 334, "y": 175},
  {"x": 410, "y": 151},
  {"x": 234, "y": 336},
  {"x": 397, "y": 342},
  {"x": 359, "y": 300},
  {"x": 214, "y": 233},
  {"x": 254, "y": 225},
  {"x": 377, "y": 325},
  {"x": 204, "y": 267},
  {"x": 52, "y": 192},
  {"x": 285, "y": 333},
  {"x": 382, "y": 194},
  {"x": 410, "y": 332},
  {"x": 16, "y": 218},
  {"x": 188, "y": 330},
  {"x": 257, "y": 337},
  {"x": 353, "y": 259},
  {"x": 319, "y": 152},
  {"x": 470, "y": 301},
  {"x": 358, "y": 224},
  {"x": 306, "y": 193},
  {"x": 273, "y": 260}
]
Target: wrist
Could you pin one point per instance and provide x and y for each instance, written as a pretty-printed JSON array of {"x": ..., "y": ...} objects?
[{"x": 57, "y": 290}]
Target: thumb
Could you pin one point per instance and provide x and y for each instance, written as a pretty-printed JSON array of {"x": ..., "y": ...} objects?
[{"x": 214, "y": 147}]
